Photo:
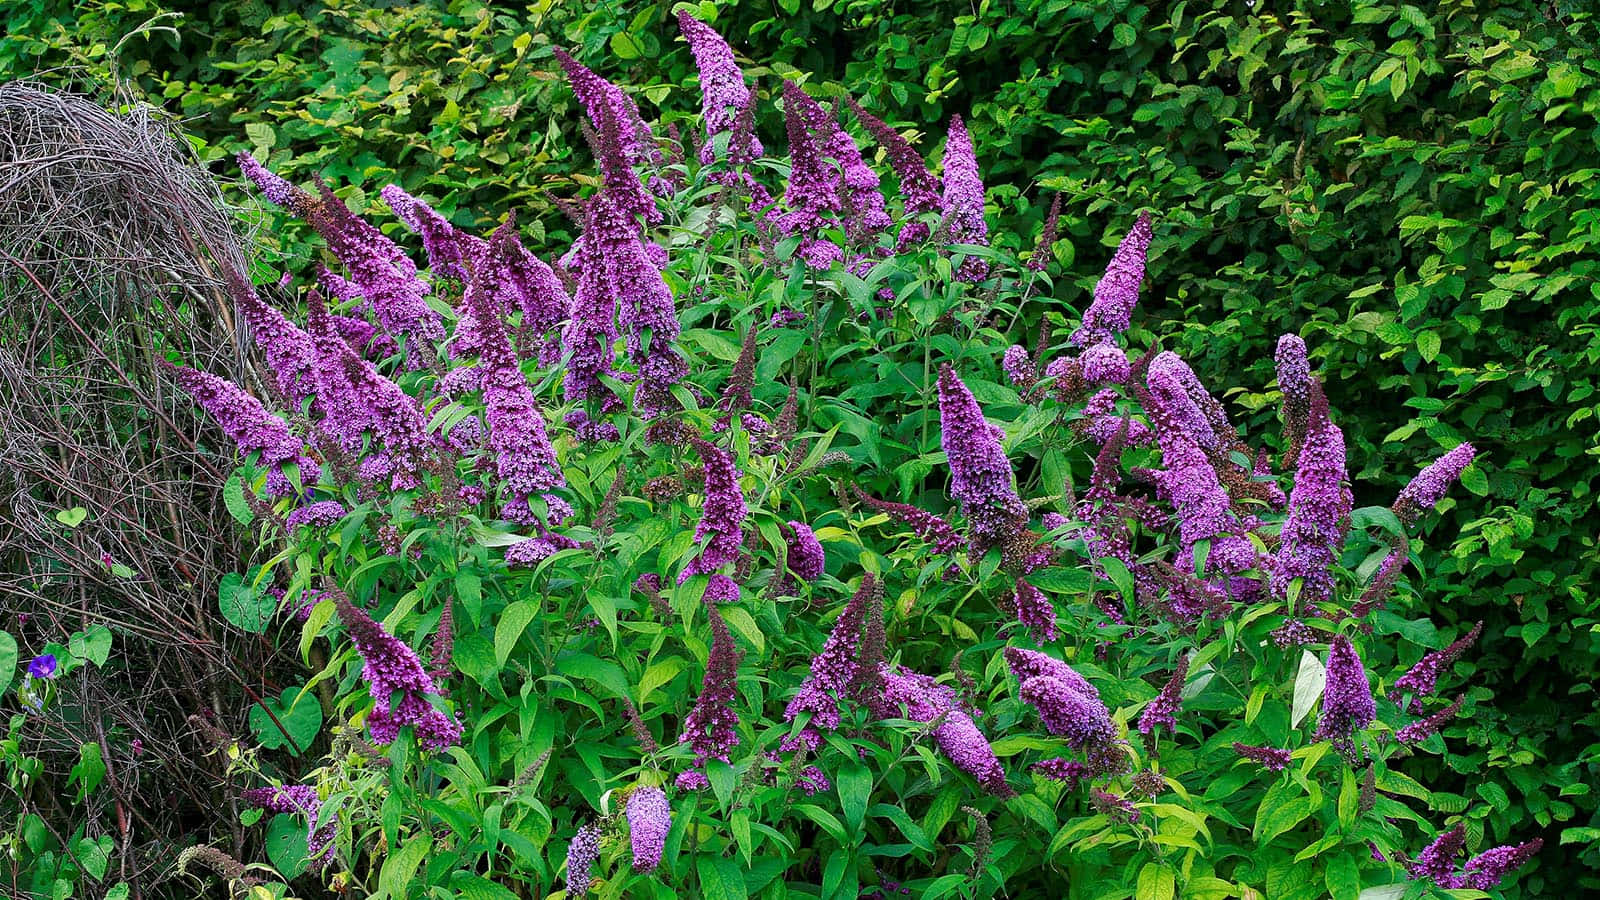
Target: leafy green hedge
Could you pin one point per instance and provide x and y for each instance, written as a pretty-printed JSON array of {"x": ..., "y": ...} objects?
[{"x": 1412, "y": 190}]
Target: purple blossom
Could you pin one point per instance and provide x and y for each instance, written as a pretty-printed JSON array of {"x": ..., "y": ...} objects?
[
  {"x": 286, "y": 347},
  {"x": 1432, "y": 483},
  {"x": 1026, "y": 664},
  {"x": 374, "y": 400},
  {"x": 591, "y": 329},
  {"x": 525, "y": 461},
  {"x": 451, "y": 252},
  {"x": 1047, "y": 237},
  {"x": 1184, "y": 402},
  {"x": 812, "y": 781},
  {"x": 721, "y": 589},
  {"x": 1115, "y": 295},
  {"x": 1271, "y": 758},
  {"x": 251, "y": 427},
  {"x": 692, "y": 780},
  {"x": 1437, "y": 861},
  {"x": 1485, "y": 871},
  {"x": 529, "y": 552},
  {"x": 804, "y": 552},
  {"x": 279, "y": 192},
  {"x": 1424, "y": 728},
  {"x": 1018, "y": 366},
  {"x": 1162, "y": 711},
  {"x": 925, "y": 700},
  {"x": 919, "y": 189},
  {"x": 581, "y": 856},
  {"x": 365, "y": 338},
  {"x": 723, "y": 93},
  {"x": 710, "y": 729},
  {"x": 925, "y": 525},
  {"x": 643, "y": 302},
  {"x": 1202, "y": 504},
  {"x": 298, "y": 799},
  {"x": 1421, "y": 679},
  {"x": 1294, "y": 381},
  {"x": 1105, "y": 363},
  {"x": 1067, "y": 712},
  {"x": 322, "y": 514},
  {"x": 1319, "y": 508},
  {"x": 43, "y": 666},
  {"x": 625, "y": 140},
  {"x": 390, "y": 667},
  {"x": 1347, "y": 704},
  {"x": 962, "y": 201},
  {"x": 1035, "y": 611},
  {"x": 980, "y": 473},
  {"x": 816, "y": 190},
  {"x": 649, "y": 820},
  {"x": 1060, "y": 768},
  {"x": 722, "y": 513},
  {"x": 832, "y": 671}
]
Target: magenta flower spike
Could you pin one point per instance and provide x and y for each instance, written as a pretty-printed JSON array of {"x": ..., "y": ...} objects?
[
  {"x": 286, "y": 347},
  {"x": 815, "y": 195},
  {"x": 525, "y": 462},
  {"x": 393, "y": 670},
  {"x": 298, "y": 799},
  {"x": 722, "y": 513},
  {"x": 1347, "y": 704},
  {"x": 649, "y": 820},
  {"x": 1067, "y": 712},
  {"x": 581, "y": 856},
  {"x": 804, "y": 552},
  {"x": 832, "y": 671},
  {"x": 1162, "y": 711},
  {"x": 591, "y": 330},
  {"x": 1422, "y": 679},
  {"x": 919, "y": 189},
  {"x": 1294, "y": 381},
  {"x": 963, "y": 198},
  {"x": 1117, "y": 292},
  {"x": 1270, "y": 758},
  {"x": 1432, "y": 483},
  {"x": 958, "y": 737},
  {"x": 711, "y": 728},
  {"x": 980, "y": 474},
  {"x": 251, "y": 427},
  {"x": 1319, "y": 510},
  {"x": 724, "y": 95}
]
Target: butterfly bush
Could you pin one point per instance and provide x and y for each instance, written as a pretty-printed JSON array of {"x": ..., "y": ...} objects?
[{"x": 751, "y": 545}]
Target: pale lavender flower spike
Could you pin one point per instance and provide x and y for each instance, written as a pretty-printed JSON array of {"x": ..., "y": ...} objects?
[
  {"x": 1118, "y": 290},
  {"x": 723, "y": 92},
  {"x": 1432, "y": 483},
  {"x": 963, "y": 199},
  {"x": 649, "y": 820}
]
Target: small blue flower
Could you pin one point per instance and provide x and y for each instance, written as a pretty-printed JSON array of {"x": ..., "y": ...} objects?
[{"x": 43, "y": 666}]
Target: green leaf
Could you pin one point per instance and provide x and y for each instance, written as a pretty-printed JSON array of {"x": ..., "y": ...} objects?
[
  {"x": 400, "y": 869},
  {"x": 1308, "y": 685},
  {"x": 286, "y": 844},
  {"x": 513, "y": 622},
  {"x": 8, "y": 660},
  {"x": 1344, "y": 877},
  {"x": 1156, "y": 882},
  {"x": 73, "y": 517},
  {"x": 233, "y": 499},
  {"x": 1062, "y": 580},
  {"x": 243, "y": 606},
  {"x": 855, "y": 793},
  {"x": 89, "y": 771},
  {"x": 300, "y": 715},
  {"x": 720, "y": 879},
  {"x": 625, "y": 46},
  {"x": 1386, "y": 892},
  {"x": 744, "y": 625},
  {"x": 93, "y": 644},
  {"x": 659, "y": 675},
  {"x": 1273, "y": 819},
  {"x": 477, "y": 887},
  {"x": 94, "y": 855}
]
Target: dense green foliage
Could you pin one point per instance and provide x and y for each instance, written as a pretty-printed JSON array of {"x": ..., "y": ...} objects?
[{"x": 1408, "y": 190}]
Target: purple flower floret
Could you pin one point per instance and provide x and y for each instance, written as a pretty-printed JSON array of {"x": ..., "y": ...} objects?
[
  {"x": 963, "y": 199},
  {"x": 42, "y": 666},
  {"x": 1111, "y": 311},
  {"x": 724, "y": 95},
  {"x": 1437, "y": 861},
  {"x": 1347, "y": 704},
  {"x": 1271, "y": 758},
  {"x": 1319, "y": 510},
  {"x": 286, "y": 347},
  {"x": 1035, "y": 611},
  {"x": 1026, "y": 664},
  {"x": 1105, "y": 363},
  {"x": 1432, "y": 483},
  {"x": 298, "y": 799},
  {"x": 919, "y": 189},
  {"x": 649, "y": 820},
  {"x": 1018, "y": 365},
  {"x": 925, "y": 700},
  {"x": 1421, "y": 679},
  {"x": 1424, "y": 728},
  {"x": 255, "y": 430},
  {"x": 710, "y": 729},
  {"x": 832, "y": 671},
  {"x": 1067, "y": 712},
  {"x": 722, "y": 513},
  {"x": 1485, "y": 871},
  {"x": 390, "y": 669},
  {"x": 980, "y": 474},
  {"x": 1202, "y": 505},
  {"x": 925, "y": 525},
  {"x": 805, "y": 555},
  {"x": 581, "y": 856},
  {"x": 322, "y": 514},
  {"x": 277, "y": 191}
]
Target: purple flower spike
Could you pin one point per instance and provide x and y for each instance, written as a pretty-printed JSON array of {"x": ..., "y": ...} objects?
[
  {"x": 1421, "y": 679},
  {"x": 286, "y": 347},
  {"x": 925, "y": 525},
  {"x": 390, "y": 667},
  {"x": 816, "y": 191},
  {"x": 298, "y": 799},
  {"x": 805, "y": 556},
  {"x": 724, "y": 95},
  {"x": 710, "y": 729},
  {"x": 591, "y": 330},
  {"x": 1347, "y": 704},
  {"x": 959, "y": 738},
  {"x": 832, "y": 671},
  {"x": 1271, "y": 758},
  {"x": 918, "y": 188},
  {"x": 581, "y": 856},
  {"x": 1083, "y": 720},
  {"x": 649, "y": 820},
  {"x": 980, "y": 473},
  {"x": 1485, "y": 871},
  {"x": 1422, "y": 729},
  {"x": 963, "y": 198},
  {"x": 1026, "y": 664},
  {"x": 1111, "y": 311},
  {"x": 1294, "y": 380},
  {"x": 1437, "y": 861},
  {"x": 1162, "y": 711},
  {"x": 1105, "y": 363},
  {"x": 1319, "y": 509},
  {"x": 1432, "y": 483},
  {"x": 279, "y": 192},
  {"x": 525, "y": 462},
  {"x": 722, "y": 513},
  {"x": 251, "y": 427},
  {"x": 322, "y": 514},
  {"x": 1035, "y": 611}
]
